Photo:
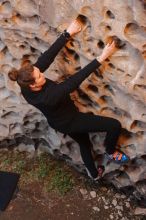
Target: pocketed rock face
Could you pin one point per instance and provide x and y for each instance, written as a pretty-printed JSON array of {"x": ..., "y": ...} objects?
[{"x": 28, "y": 27}]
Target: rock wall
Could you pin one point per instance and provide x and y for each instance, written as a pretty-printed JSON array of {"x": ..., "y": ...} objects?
[{"x": 28, "y": 27}]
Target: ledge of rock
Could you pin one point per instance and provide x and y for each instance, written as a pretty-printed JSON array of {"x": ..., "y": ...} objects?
[{"x": 28, "y": 27}]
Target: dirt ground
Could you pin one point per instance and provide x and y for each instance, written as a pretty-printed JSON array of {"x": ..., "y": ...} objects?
[{"x": 72, "y": 199}]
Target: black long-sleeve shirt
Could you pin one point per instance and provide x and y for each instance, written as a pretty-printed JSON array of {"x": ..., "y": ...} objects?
[{"x": 53, "y": 100}]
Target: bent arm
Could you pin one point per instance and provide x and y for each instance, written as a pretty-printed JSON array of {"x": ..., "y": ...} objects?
[{"x": 45, "y": 60}]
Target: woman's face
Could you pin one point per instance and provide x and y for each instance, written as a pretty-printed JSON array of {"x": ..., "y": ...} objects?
[{"x": 39, "y": 79}]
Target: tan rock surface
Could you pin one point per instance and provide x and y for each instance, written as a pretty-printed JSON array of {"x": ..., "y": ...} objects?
[{"x": 28, "y": 27}]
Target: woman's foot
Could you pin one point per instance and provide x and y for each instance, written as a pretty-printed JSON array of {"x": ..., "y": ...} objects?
[
  {"x": 118, "y": 157},
  {"x": 100, "y": 170}
]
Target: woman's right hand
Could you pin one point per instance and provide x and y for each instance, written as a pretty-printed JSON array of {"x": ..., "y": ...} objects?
[
  {"x": 108, "y": 50},
  {"x": 74, "y": 28}
]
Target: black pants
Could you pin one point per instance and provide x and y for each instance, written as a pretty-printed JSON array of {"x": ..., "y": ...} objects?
[{"x": 83, "y": 123}]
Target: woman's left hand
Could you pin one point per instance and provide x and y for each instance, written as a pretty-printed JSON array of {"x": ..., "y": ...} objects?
[
  {"x": 108, "y": 50},
  {"x": 74, "y": 28}
]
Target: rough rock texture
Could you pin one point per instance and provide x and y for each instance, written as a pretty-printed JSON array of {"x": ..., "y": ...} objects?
[{"x": 28, "y": 27}]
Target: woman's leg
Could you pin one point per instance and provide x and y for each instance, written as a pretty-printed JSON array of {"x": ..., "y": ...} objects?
[
  {"x": 85, "y": 148},
  {"x": 86, "y": 122}
]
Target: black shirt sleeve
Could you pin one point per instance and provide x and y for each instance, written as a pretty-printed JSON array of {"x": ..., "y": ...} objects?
[
  {"x": 45, "y": 60},
  {"x": 57, "y": 92}
]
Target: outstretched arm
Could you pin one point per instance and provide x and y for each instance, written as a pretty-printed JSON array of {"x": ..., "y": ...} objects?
[
  {"x": 45, "y": 60},
  {"x": 73, "y": 82},
  {"x": 58, "y": 91}
]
